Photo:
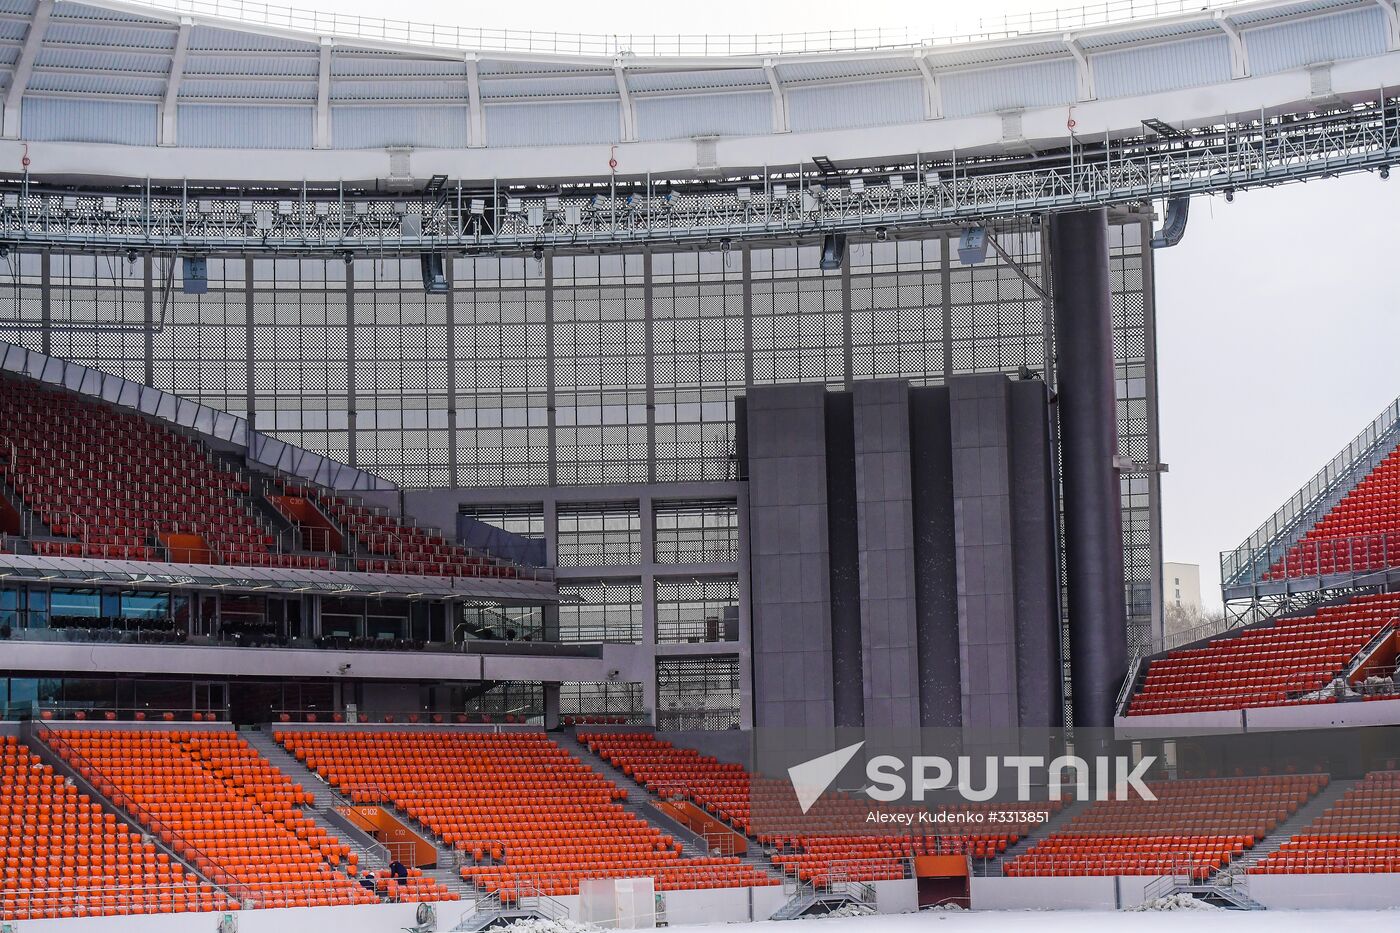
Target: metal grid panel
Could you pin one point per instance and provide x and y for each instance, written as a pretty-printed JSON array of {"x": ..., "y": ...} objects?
[
  {"x": 697, "y": 693},
  {"x": 697, "y": 532},
  {"x": 402, "y": 374},
  {"x": 797, "y": 318},
  {"x": 199, "y": 343},
  {"x": 601, "y": 611},
  {"x": 697, "y": 611},
  {"x": 897, "y": 310},
  {"x": 698, "y": 352},
  {"x": 601, "y": 535},
  {"x": 500, "y": 360},
  {"x": 98, "y": 319},
  {"x": 300, "y": 354},
  {"x": 600, "y": 369}
]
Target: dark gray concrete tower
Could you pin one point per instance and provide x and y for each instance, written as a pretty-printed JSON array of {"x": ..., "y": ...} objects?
[{"x": 1088, "y": 445}]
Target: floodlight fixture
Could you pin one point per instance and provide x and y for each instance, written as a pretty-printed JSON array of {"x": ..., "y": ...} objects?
[
  {"x": 780, "y": 191},
  {"x": 515, "y": 205},
  {"x": 857, "y": 185},
  {"x": 744, "y": 194},
  {"x": 897, "y": 182}
]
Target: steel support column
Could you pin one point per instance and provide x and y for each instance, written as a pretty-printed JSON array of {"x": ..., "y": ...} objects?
[{"x": 1089, "y": 443}]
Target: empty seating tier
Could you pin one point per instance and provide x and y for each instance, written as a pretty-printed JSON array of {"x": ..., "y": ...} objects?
[
  {"x": 1287, "y": 662},
  {"x": 214, "y": 801},
  {"x": 63, "y": 856},
  {"x": 398, "y": 547},
  {"x": 115, "y": 485},
  {"x": 523, "y": 813},
  {"x": 1360, "y": 533},
  {"x": 1194, "y": 827},
  {"x": 817, "y": 845},
  {"x": 1358, "y": 833}
]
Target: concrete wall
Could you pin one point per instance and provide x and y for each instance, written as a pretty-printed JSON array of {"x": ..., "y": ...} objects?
[
  {"x": 1304, "y": 892},
  {"x": 1043, "y": 894},
  {"x": 355, "y": 919},
  {"x": 1261, "y": 719}
]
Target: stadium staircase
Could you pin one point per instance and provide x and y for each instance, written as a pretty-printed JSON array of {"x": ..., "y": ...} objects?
[
  {"x": 372, "y": 855},
  {"x": 639, "y": 803},
  {"x": 32, "y": 739},
  {"x": 993, "y": 866},
  {"x": 1300, "y": 820}
]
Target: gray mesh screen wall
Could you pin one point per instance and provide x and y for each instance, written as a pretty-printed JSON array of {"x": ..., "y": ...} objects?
[{"x": 575, "y": 369}]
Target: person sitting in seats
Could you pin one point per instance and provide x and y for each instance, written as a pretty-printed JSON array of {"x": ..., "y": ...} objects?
[{"x": 398, "y": 870}]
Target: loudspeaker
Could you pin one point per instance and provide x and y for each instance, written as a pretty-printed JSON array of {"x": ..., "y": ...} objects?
[
  {"x": 195, "y": 275},
  {"x": 833, "y": 251},
  {"x": 434, "y": 273}
]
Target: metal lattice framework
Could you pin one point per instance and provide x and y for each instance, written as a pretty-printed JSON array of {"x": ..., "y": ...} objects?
[{"x": 780, "y": 203}]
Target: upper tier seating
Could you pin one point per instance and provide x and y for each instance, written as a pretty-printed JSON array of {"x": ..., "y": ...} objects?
[
  {"x": 1194, "y": 827},
  {"x": 112, "y": 484},
  {"x": 399, "y": 547},
  {"x": 1270, "y": 666},
  {"x": 830, "y": 837},
  {"x": 119, "y": 485},
  {"x": 1358, "y": 833},
  {"x": 1361, "y": 532},
  {"x": 216, "y": 802},
  {"x": 522, "y": 811},
  {"x": 62, "y": 856}
]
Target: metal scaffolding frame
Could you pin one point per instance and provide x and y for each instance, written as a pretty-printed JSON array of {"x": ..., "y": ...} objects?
[{"x": 778, "y": 201}]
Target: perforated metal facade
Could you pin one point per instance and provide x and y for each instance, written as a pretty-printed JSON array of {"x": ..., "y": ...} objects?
[{"x": 584, "y": 369}]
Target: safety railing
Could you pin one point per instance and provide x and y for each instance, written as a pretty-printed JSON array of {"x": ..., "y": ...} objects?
[
  {"x": 697, "y": 720},
  {"x": 81, "y": 711},
  {"x": 564, "y": 43},
  {"x": 415, "y": 717},
  {"x": 1251, "y": 560},
  {"x": 189, "y": 854},
  {"x": 1318, "y": 558},
  {"x": 1168, "y": 862}
]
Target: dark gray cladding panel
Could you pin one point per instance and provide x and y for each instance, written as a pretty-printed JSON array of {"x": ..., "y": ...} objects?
[
  {"x": 789, "y": 556},
  {"x": 935, "y": 557},
  {"x": 1033, "y": 531},
  {"x": 846, "y": 560},
  {"x": 979, "y": 407},
  {"x": 889, "y": 620}
]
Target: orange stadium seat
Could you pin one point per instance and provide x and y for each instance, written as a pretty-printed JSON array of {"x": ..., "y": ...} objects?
[
  {"x": 1360, "y": 533},
  {"x": 522, "y": 811},
  {"x": 214, "y": 800},
  {"x": 1271, "y": 666},
  {"x": 1359, "y": 833},
  {"x": 63, "y": 856},
  {"x": 1195, "y": 827}
]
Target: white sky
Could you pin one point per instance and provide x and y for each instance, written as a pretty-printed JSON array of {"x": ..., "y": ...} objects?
[{"x": 1276, "y": 315}]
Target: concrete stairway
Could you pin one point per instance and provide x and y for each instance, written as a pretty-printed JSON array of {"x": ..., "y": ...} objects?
[
  {"x": 371, "y": 855},
  {"x": 639, "y": 800},
  {"x": 1295, "y": 824}
]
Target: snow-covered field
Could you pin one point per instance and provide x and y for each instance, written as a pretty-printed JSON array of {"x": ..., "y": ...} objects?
[{"x": 1067, "y": 921}]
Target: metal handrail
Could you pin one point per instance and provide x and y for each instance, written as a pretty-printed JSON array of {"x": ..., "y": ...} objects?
[
  {"x": 1318, "y": 558},
  {"x": 1302, "y": 506},
  {"x": 194, "y": 856},
  {"x": 533, "y": 41}
]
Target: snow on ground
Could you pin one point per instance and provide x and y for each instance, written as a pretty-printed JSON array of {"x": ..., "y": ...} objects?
[{"x": 1076, "y": 921}]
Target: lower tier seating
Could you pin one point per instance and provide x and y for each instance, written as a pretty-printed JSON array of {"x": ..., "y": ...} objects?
[
  {"x": 817, "y": 845},
  {"x": 212, "y": 799},
  {"x": 1194, "y": 827},
  {"x": 1359, "y": 833},
  {"x": 1288, "y": 662},
  {"x": 523, "y": 812},
  {"x": 62, "y": 856}
]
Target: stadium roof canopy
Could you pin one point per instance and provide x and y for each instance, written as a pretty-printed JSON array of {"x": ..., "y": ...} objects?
[{"x": 119, "y": 90}]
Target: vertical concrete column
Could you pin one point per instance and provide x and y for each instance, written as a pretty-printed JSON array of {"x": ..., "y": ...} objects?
[{"x": 1088, "y": 445}]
